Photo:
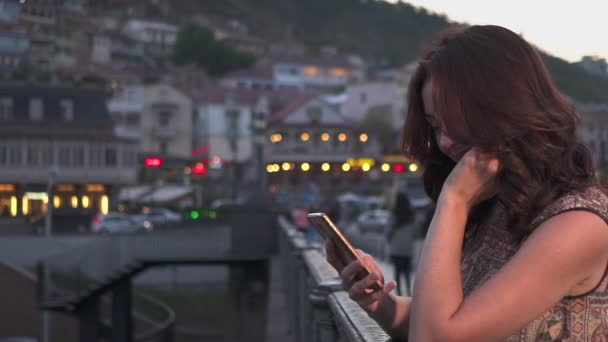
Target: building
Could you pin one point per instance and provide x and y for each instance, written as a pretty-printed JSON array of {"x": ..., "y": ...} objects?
[
  {"x": 14, "y": 50},
  {"x": 311, "y": 141},
  {"x": 363, "y": 99},
  {"x": 299, "y": 72},
  {"x": 158, "y": 37},
  {"x": 159, "y": 118},
  {"x": 62, "y": 131}
]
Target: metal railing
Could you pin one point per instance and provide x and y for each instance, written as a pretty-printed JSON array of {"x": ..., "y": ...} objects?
[{"x": 319, "y": 310}]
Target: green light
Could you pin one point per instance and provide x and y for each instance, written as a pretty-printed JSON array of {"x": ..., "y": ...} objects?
[
  {"x": 194, "y": 214},
  {"x": 212, "y": 214}
]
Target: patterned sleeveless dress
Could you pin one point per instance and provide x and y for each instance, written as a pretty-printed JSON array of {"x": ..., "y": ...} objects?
[{"x": 581, "y": 318}]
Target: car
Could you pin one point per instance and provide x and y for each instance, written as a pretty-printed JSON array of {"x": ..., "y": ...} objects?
[
  {"x": 161, "y": 216},
  {"x": 374, "y": 221},
  {"x": 115, "y": 223}
]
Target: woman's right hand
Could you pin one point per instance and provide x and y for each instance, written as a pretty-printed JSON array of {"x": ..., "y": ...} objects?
[{"x": 361, "y": 290}]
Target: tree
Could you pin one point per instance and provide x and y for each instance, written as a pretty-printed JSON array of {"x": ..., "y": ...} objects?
[{"x": 197, "y": 44}]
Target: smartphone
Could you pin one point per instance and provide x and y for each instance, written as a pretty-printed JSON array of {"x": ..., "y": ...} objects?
[{"x": 328, "y": 230}]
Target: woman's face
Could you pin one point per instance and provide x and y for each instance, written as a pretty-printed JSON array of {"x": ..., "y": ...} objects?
[{"x": 446, "y": 144}]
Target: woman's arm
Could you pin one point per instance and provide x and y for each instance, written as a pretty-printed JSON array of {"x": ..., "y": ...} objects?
[{"x": 561, "y": 253}]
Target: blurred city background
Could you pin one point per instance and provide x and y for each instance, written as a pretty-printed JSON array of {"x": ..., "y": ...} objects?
[{"x": 157, "y": 158}]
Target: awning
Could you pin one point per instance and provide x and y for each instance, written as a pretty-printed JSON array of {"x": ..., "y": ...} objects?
[
  {"x": 133, "y": 193},
  {"x": 167, "y": 193}
]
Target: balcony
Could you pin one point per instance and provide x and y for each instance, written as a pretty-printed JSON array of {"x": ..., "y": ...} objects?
[{"x": 164, "y": 132}]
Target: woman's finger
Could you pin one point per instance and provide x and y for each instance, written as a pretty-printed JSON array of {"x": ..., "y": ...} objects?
[
  {"x": 364, "y": 286},
  {"x": 349, "y": 273}
]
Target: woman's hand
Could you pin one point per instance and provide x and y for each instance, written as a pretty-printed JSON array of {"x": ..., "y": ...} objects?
[
  {"x": 359, "y": 290},
  {"x": 472, "y": 179}
]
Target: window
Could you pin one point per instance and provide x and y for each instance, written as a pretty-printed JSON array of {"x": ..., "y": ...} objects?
[
  {"x": 64, "y": 156},
  {"x": 96, "y": 155},
  {"x": 163, "y": 119},
  {"x": 314, "y": 114},
  {"x": 14, "y": 154},
  {"x": 3, "y": 153},
  {"x": 47, "y": 154},
  {"x": 6, "y": 108},
  {"x": 110, "y": 155},
  {"x": 32, "y": 154},
  {"x": 78, "y": 156},
  {"x": 128, "y": 157},
  {"x": 36, "y": 109},
  {"x": 67, "y": 109},
  {"x": 163, "y": 147}
]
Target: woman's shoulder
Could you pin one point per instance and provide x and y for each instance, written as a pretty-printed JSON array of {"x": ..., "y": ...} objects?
[{"x": 593, "y": 199}]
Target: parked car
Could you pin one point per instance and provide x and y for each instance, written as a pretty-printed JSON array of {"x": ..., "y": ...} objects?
[
  {"x": 161, "y": 216},
  {"x": 374, "y": 221},
  {"x": 115, "y": 223}
]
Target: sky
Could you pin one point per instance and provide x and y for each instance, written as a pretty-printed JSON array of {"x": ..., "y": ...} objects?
[{"x": 566, "y": 29}]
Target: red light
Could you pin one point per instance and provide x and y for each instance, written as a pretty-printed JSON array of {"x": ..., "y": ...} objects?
[
  {"x": 199, "y": 169},
  {"x": 97, "y": 220},
  {"x": 153, "y": 162},
  {"x": 399, "y": 168}
]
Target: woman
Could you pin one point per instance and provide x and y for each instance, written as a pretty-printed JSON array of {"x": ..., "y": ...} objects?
[
  {"x": 400, "y": 238},
  {"x": 517, "y": 249}
]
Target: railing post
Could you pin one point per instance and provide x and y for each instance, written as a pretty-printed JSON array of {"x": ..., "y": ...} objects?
[
  {"x": 122, "y": 324},
  {"x": 324, "y": 327},
  {"x": 88, "y": 315}
]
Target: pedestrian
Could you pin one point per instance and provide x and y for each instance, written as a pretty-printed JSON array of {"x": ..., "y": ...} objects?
[
  {"x": 400, "y": 238},
  {"x": 517, "y": 249}
]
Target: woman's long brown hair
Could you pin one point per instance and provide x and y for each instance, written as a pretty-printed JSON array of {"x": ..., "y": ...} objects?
[{"x": 492, "y": 91}]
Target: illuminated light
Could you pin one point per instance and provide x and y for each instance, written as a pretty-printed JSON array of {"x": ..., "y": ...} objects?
[
  {"x": 325, "y": 136},
  {"x": 65, "y": 188},
  {"x": 342, "y": 137},
  {"x": 363, "y": 137},
  {"x": 74, "y": 201},
  {"x": 45, "y": 198},
  {"x": 305, "y": 167},
  {"x": 212, "y": 214},
  {"x": 269, "y": 168},
  {"x": 413, "y": 167},
  {"x": 276, "y": 168},
  {"x": 187, "y": 170},
  {"x": 366, "y": 167},
  {"x": 7, "y": 187},
  {"x": 153, "y": 162},
  {"x": 337, "y": 72},
  {"x": 199, "y": 169},
  {"x": 325, "y": 167},
  {"x": 386, "y": 167},
  {"x": 286, "y": 166},
  {"x": 13, "y": 206},
  {"x": 105, "y": 204},
  {"x": 305, "y": 136},
  {"x": 194, "y": 214},
  {"x": 85, "y": 201},
  {"x": 56, "y": 201},
  {"x": 275, "y": 138},
  {"x": 346, "y": 167},
  {"x": 311, "y": 70},
  {"x": 96, "y": 188},
  {"x": 399, "y": 168},
  {"x": 25, "y": 205}
]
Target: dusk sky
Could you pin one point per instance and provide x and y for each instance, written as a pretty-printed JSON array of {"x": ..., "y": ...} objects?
[{"x": 566, "y": 29}]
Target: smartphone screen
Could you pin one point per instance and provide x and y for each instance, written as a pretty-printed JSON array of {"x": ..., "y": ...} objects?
[{"x": 328, "y": 230}]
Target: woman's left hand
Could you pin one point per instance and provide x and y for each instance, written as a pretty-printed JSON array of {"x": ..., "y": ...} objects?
[{"x": 472, "y": 179}]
